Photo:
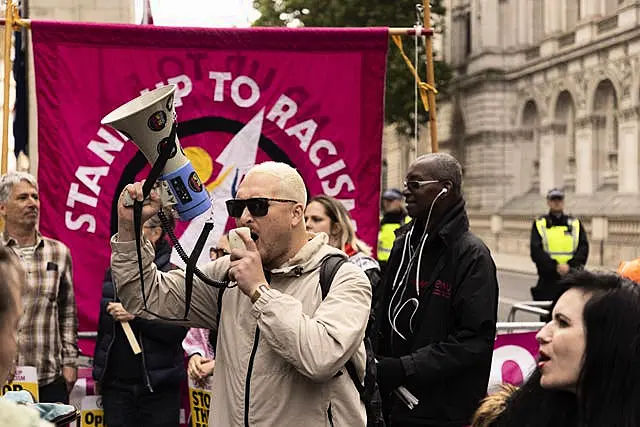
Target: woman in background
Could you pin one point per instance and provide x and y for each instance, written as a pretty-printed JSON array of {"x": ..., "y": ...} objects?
[
  {"x": 588, "y": 373},
  {"x": 327, "y": 215}
]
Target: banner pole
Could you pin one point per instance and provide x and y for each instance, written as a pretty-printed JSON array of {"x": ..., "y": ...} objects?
[
  {"x": 8, "y": 30},
  {"x": 400, "y": 31},
  {"x": 431, "y": 97}
]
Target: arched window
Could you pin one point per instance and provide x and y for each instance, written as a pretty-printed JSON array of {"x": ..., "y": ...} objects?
[
  {"x": 531, "y": 148},
  {"x": 565, "y": 117},
  {"x": 605, "y": 108}
]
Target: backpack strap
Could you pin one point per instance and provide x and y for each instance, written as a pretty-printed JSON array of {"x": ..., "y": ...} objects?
[
  {"x": 328, "y": 269},
  {"x": 330, "y": 266},
  {"x": 353, "y": 374}
]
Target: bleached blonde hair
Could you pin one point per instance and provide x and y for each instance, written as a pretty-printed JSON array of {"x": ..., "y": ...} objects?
[{"x": 291, "y": 183}]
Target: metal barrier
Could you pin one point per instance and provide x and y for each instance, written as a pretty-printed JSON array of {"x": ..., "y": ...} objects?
[
  {"x": 540, "y": 308},
  {"x": 88, "y": 335},
  {"x": 510, "y": 327}
]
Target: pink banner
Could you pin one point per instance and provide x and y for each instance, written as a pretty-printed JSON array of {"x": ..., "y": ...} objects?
[
  {"x": 309, "y": 97},
  {"x": 514, "y": 358}
]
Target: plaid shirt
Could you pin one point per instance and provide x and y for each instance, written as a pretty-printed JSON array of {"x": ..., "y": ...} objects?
[{"x": 48, "y": 329}]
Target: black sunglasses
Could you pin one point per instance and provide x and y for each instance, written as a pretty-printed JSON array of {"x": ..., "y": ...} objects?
[{"x": 258, "y": 206}]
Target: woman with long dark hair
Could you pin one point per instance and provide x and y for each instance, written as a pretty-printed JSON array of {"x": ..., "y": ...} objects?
[{"x": 588, "y": 373}]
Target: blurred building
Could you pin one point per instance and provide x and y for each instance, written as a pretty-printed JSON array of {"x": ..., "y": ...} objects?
[
  {"x": 546, "y": 94},
  {"x": 118, "y": 11}
]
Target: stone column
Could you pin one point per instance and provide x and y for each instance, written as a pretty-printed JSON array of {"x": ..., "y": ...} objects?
[
  {"x": 477, "y": 10},
  {"x": 522, "y": 28},
  {"x": 562, "y": 15},
  {"x": 628, "y": 153},
  {"x": 449, "y": 36},
  {"x": 552, "y": 10},
  {"x": 552, "y": 155},
  {"x": 589, "y": 8},
  {"x": 489, "y": 23},
  {"x": 561, "y": 150},
  {"x": 586, "y": 154},
  {"x": 523, "y": 158}
]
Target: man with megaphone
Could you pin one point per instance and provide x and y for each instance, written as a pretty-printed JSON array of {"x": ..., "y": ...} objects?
[{"x": 281, "y": 348}]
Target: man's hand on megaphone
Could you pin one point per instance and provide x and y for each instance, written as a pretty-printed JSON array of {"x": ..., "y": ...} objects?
[{"x": 126, "y": 230}]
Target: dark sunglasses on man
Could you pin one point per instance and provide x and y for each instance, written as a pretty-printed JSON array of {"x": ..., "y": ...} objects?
[{"x": 257, "y": 206}]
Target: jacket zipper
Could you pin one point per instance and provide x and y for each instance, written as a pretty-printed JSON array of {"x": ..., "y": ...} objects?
[
  {"x": 145, "y": 374},
  {"x": 106, "y": 362},
  {"x": 330, "y": 415},
  {"x": 247, "y": 387}
]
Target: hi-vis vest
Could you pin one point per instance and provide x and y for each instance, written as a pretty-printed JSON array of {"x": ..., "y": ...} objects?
[
  {"x": 559, "y": 241},
  {"x": 386, "y": 237}
]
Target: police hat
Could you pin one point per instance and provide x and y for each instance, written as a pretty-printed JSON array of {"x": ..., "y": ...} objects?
[
  {"x": 555, "y": 193},
  {"x": 392, "y": 194}
]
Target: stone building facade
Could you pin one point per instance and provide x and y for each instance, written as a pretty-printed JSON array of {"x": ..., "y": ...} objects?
[
  {"x": 546, "y": 94},
  {"x": 119, "y": 11}
]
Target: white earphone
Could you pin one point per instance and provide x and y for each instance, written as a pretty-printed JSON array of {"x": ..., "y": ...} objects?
[{"x": 392, "y": 313}]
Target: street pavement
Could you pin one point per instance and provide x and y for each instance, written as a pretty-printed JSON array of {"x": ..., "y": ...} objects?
[{"x": 514, "y": 288}]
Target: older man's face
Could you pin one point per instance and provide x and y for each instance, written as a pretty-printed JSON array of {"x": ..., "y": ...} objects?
[
  {"x": 419, "y": 200},
  {"x": 22, "y": 208}
]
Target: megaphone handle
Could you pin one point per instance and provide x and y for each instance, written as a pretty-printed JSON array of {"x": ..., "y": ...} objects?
[
  {"x": 183, "y": 255},
  {"x": 166, "y": 196},
  {"x": 156, "y": 170}
]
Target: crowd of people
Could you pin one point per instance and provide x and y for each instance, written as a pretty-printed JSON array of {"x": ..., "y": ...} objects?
[{"x": 280, "y": 346}]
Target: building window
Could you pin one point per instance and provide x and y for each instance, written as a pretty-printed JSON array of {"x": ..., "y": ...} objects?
[
  {"x": 565, "y": 117},
  {"x": 530, "y": 147},
  {"x": 606, "y": 127}
]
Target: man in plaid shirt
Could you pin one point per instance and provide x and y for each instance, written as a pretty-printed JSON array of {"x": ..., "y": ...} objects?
[{"x": 47, "y": 334}]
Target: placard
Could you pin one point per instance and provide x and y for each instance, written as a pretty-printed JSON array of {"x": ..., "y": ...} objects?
[
  {"x": 200, "y": 402},
  {"x": 92, "y": 412},
  {"x": 26, "y": 378}
]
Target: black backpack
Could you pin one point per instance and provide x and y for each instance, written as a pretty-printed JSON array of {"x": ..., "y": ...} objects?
[{"x": 369, "y": 392}]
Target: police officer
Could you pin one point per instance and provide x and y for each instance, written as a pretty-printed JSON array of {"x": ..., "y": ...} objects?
[
  {"x": 558, "y": 245},
  {"x": 394, "y": 216}
]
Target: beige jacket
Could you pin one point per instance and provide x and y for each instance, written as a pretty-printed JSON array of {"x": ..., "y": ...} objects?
[{"x": 281, "y": 360}]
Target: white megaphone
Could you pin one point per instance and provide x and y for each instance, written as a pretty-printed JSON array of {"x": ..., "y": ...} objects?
[{"x": 147, "y": 121}]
